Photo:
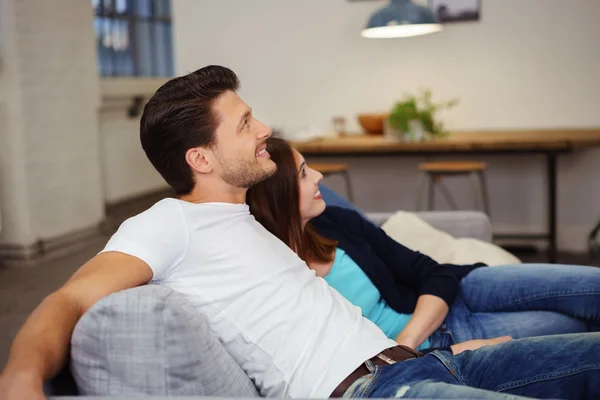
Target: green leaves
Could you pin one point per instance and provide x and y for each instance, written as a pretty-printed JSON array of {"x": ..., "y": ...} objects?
[{"x": 420, "y": 108}]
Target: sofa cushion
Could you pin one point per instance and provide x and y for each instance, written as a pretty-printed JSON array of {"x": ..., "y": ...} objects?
[{"x": 151, "y": 340}]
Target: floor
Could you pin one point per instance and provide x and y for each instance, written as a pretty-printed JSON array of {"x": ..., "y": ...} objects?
[{"x": 22, "y": 289}]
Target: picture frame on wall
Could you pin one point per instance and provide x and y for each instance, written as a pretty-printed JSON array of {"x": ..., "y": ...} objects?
[{"x": 449, "y": 11}]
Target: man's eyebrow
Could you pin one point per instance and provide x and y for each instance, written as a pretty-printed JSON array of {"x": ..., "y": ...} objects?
[{"x": 244, "y": 116}]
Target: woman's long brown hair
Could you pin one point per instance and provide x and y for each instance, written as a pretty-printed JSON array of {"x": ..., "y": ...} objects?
[{"x": 275, "y": 203}]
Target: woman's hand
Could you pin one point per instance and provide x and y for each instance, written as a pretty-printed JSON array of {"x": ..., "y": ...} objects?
[{"x": 475, "y": 344}]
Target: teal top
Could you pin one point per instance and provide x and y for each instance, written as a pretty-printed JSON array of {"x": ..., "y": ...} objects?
[{"x": 350, "y": 280}]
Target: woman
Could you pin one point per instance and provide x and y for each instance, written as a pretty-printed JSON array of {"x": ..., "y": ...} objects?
[{"x": 412, "y": 298}]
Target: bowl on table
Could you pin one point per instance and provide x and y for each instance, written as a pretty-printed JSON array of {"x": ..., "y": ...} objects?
[{"x": 372, "y": 124}]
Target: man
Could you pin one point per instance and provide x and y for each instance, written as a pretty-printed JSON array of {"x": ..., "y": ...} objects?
[{"x": 289, "y": 331}]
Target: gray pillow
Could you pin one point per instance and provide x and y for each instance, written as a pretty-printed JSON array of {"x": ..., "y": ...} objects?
[{"x": 152, "y": 341}]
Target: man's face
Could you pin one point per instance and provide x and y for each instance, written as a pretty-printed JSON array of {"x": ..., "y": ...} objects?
[{"x": 240, "y": 150}]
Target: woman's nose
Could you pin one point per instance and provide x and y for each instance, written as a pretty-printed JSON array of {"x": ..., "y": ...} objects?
[{"x": 319, "y": 177}]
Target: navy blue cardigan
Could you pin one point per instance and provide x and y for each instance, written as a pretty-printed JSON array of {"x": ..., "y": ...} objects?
[{"x": 400, "y": 274}]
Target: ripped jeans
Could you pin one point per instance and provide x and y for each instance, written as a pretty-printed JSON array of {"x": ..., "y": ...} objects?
[{"x": 557, "y": 367}]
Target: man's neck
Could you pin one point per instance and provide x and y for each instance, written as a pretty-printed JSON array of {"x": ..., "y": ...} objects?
[{"x": 233, "y": 196}]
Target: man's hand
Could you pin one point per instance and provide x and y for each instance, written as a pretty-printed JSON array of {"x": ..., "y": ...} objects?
[
  {"x": 20, "y": 386},
  {"x": 475, "y": 344}
]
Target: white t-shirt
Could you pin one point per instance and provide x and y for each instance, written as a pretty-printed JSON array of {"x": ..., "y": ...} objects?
[{"x": 289, "y": 331}]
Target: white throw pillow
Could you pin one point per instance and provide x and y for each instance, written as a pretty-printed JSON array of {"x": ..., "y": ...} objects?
[{"x": 411, "y": 231}]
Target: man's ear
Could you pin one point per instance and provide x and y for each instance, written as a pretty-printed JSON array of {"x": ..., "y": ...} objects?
[{"x": 197, "y": 159}]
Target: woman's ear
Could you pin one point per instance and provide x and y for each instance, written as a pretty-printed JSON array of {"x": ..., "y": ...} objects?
[{"x": 197, "y": 160}]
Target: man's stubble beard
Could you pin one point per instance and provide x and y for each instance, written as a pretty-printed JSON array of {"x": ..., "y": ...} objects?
[{"x": 243, "y": 173}]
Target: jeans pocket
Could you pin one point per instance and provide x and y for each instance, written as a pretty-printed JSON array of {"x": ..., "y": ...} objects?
[
  {"x": 441, "y": 338},
  {"x": 364, "y": 385}
]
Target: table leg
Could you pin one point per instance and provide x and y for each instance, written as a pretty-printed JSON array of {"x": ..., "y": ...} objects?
[
  {"x": 484, "y": 193},
  {"x": 421, "y": 183},
  {"x": 552, "y": 209},
  {"x": 431, "y": 194},
  {"x": 349, "y": 190}
]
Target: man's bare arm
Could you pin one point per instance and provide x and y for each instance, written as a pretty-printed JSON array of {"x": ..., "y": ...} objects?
[{"x": 39, "y": 349}]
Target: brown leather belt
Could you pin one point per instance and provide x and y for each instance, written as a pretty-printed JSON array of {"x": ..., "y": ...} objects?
[{"x": 388, "y": 356}]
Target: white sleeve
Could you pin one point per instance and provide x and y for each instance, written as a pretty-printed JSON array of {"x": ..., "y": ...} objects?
[{"x": 158, "y": 236}]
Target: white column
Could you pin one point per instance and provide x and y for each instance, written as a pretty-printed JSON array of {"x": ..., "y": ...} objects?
[{"x": 50, "y": 183}]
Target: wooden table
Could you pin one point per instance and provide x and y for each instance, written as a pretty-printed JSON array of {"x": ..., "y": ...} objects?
[{"x": 549, "y": 143}]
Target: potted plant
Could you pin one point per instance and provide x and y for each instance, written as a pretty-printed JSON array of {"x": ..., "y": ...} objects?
[{"x": 413, "y": 118}]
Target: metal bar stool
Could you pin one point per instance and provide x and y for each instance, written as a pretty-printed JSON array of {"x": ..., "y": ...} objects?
[
  {"x": 435, "y": 171},
  {"x": 331, "y": 169}
]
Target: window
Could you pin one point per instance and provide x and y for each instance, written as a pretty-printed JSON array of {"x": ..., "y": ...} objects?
[{"x": 134, "y": 37}]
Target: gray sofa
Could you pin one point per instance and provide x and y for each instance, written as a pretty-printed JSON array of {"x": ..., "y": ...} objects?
[{"x": 150, "y": 341}]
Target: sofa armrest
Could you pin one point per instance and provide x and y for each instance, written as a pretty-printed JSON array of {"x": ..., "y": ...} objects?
[{"x": 471, "y": 224}]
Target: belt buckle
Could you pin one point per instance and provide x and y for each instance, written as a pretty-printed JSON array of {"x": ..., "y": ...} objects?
[{"x": 385, "y": 358}]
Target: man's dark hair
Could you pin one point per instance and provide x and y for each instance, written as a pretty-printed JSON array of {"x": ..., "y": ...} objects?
[{"x": 179, "y": 117}]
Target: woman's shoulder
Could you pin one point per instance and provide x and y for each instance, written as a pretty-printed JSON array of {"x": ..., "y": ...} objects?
[
  {"x": 335, "y": 212},
  {"x": 340, "y": 216}
]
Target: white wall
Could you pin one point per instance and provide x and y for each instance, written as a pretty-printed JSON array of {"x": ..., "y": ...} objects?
[
  {"x": 126, "y": 171},
  {"x": 14, "y": 213},
  {"x": 49, "y": 147},
  {"x": 526, "y": 64}
]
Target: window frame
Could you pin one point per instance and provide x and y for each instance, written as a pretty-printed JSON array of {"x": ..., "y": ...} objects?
[{"x": 132, "y": 17}]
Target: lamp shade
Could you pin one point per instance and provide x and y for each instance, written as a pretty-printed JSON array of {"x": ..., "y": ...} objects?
[{"x": 401, "y": 18}]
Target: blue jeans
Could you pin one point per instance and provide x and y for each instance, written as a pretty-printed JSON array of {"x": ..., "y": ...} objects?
[
  {"x": 558, "y": 367},
  {"x": 522, "y": 301}
]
